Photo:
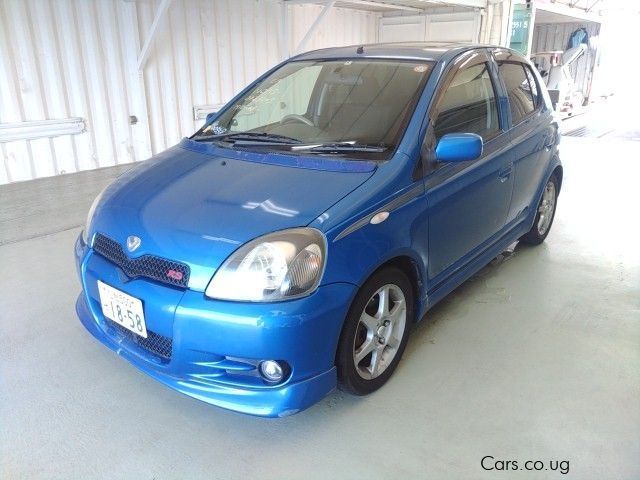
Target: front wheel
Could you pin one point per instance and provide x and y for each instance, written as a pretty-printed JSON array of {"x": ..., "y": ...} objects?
[
  {"x": 375, "y": 332},
  {"x": 545, "y": 214}
]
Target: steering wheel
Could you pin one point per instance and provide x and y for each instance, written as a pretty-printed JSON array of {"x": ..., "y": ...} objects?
[{"x": 297, "y": 118}]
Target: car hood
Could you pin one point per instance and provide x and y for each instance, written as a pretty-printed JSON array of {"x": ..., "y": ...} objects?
[{"x": 197, "y": 207}]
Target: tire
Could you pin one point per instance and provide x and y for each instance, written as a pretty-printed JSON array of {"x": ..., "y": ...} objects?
[
  {"x": 545, "y": 213},
  {"x": 376, "y": 335}
]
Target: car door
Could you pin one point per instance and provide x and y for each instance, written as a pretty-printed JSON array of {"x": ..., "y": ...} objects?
[
  {"x": 532, "y": 133},
  {"x": 467, "y": 202}
]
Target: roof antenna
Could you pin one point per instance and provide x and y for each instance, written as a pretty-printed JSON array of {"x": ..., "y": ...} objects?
[{"x": 360, "y": 49}]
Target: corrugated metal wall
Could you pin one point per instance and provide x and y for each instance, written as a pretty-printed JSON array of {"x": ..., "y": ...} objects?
[
  {"x": 78, "y": 58},
  {"x": 341, "y": 27},
  {"x": 493, "y": 25},
  {"x": 555, "y": 36}
]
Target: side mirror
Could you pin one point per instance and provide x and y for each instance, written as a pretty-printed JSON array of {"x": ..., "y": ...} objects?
[
  {"x": 459, "y": 147},
  {"x": 210, "y": 117}
]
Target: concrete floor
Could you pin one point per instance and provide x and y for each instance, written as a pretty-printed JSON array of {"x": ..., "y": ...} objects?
[{"x": 535, "y": 358}]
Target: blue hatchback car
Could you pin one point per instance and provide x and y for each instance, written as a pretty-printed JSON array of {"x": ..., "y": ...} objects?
[{"x": 290, "y": 244}]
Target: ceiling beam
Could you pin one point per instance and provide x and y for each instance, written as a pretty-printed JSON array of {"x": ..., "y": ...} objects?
[
  {"x": 460, "y": 3},
  {"x": 314, "y": 26},
  {"x": 567, "y": 11},
  {"x": 593, "y": 5},
  {"x": 389, "y": 6},
  {"x": 153, "y": 30},
  {"x": 399, "y": 6}
]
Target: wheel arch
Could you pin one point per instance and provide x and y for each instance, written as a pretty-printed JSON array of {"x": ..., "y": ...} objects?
[
  {"x": 558, "y": 171},
  {"x": 409, "y": 266}
]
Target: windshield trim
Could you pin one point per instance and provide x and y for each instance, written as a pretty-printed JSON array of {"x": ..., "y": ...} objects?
[{"x": 331, "y": 163}]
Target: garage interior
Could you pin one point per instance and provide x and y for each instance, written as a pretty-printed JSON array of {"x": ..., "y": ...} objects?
[{"x": 537, "y": 356}]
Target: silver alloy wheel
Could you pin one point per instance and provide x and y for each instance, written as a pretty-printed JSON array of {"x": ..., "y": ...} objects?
[
  {"x": 379, "y": 331},
  {"x": 547, "y": 207}
]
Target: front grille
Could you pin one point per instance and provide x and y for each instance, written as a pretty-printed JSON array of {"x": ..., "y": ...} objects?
[
  {"x": 149, "y": 266},
  {"x": 156, "y": 344}
]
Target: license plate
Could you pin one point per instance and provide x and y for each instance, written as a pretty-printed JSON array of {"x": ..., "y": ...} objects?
[{"x": 123, "y": 309}]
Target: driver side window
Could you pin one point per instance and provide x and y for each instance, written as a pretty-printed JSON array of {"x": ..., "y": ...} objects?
[
  {"x": 259, "y": 109},
  {"x": 468, "y": 105}
]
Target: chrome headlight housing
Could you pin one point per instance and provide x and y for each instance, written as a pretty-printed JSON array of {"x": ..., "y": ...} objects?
[
  {"x": 92, "y": 210},
  {"x": 278, "y": 266}
]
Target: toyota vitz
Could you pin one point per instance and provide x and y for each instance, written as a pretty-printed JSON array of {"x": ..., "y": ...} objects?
[{"x": 290, "y": 244}]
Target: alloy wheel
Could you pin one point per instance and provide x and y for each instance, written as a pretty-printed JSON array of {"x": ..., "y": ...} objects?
[
  {"x": 546, "y": 208},
  {"x": 379, "y": 331}
]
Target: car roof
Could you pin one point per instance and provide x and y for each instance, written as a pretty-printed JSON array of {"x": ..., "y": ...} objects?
[{"x": 429, "y": 51}]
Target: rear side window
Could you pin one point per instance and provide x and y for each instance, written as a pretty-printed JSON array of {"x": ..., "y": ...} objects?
[
  {"x": 468, "y": 105},
  {"x": 521, "y": 96}
]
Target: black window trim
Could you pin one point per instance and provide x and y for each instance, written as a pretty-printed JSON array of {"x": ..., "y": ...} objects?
[
  {"x": 538, "y": 107},
  {"x": 426, "y": 164},
  {"x": 448, "y": 78},
  {"x": 531, "y": 75}
]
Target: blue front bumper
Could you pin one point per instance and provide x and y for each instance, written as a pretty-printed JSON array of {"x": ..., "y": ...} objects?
[{"x": 215, "y": 345}]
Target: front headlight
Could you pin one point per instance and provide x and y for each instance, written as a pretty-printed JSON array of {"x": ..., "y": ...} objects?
[
  {"x": 278, "y": 266},
  {"x": 92, "y": 210}
]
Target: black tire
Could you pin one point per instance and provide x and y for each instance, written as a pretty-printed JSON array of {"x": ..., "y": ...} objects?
[
  {"x": 534, "y": 236},
  {"x": 348, "y": 377}
]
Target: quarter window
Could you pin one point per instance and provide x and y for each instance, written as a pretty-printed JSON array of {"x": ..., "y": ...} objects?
[
  {"x": 519, "y": 91},
  {"x": 468, "y": 105}
]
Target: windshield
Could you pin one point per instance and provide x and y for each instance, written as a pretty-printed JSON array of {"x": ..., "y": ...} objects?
[{"x": 346, "y": 108}]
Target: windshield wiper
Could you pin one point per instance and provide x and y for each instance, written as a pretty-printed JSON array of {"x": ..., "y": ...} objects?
[
  {"x": 339, "y": 147},
  {"x": 250, "y": 136},
  {"x": 263, "y": 139}
]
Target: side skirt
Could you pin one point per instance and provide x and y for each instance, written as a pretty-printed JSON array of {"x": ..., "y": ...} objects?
[{"x": 458, "y": 277}]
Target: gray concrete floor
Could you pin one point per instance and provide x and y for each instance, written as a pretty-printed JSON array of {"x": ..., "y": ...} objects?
[
  {"x": 535, "y": 358},
  {"x": 50, "y": 205}
]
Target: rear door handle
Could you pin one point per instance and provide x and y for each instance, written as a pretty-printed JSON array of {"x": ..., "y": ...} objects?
[
  {"x": 505, "y": 173},
  {"x": 550, "y": 141}
]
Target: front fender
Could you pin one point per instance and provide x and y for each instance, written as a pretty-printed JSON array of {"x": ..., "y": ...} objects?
[{"x": 355, "y": 253}]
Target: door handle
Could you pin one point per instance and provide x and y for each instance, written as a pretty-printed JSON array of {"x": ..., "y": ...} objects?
[
  {"x": 505, "y": 173},
  {"x": 548, "y": 143},
  {"x": 550, "y": 140}
]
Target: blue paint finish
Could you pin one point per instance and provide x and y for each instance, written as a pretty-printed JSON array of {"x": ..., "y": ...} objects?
[
  {"x": 185, "y": 204},
  {"x": 197, "y": 203},
  {"x": 467, "y": 206},
  {"x": 205, "y": 331},
  {"x": 459, "y": 147}
]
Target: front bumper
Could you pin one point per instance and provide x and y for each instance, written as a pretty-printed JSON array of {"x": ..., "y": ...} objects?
[{"x": 215, "y": 345}]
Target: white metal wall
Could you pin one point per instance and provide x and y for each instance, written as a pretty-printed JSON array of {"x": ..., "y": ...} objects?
[
  {"x": 341, "y": 27},
  {"x": 78, "y": 58},
  {"x": 54, "y": 64},
  {"x": 491, "y": 27},
  {"x": 438, "y": 27}
]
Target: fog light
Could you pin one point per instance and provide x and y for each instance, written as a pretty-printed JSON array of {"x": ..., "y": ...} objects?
[{"x": 271, "y": 370}]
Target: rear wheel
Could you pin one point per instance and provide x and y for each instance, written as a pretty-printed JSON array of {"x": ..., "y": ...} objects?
[
  {"x": 375, "y": 332},
  {"x": 545, "y": 214}
]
